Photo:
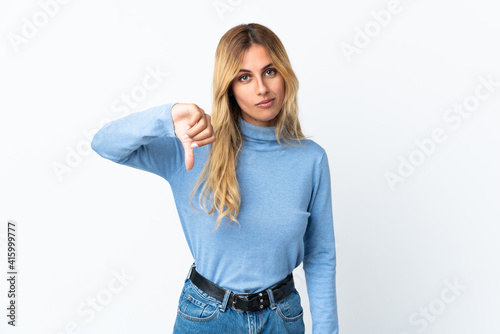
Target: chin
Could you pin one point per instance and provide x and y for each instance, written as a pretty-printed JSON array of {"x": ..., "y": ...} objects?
[{"x": 264, "y": 115}]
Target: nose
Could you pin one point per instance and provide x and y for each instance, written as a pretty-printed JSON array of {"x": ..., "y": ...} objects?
[{"x": 261, "y": 87}]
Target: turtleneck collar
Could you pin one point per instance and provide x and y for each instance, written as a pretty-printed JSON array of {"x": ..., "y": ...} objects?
[{"x": 258, "y": 136}]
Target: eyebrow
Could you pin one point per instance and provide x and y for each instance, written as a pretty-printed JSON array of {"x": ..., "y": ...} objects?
[{"x": 270, "y": 64}]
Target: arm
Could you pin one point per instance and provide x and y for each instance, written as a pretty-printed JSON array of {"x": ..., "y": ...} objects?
[
  {"x": 144, "y": 140},
  {"x": 319, "y": 254}
]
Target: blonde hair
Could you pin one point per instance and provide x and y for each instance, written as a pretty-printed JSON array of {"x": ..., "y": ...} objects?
[{"x": 219, "y": 172}]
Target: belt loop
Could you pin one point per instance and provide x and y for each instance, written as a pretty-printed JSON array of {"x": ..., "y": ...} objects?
[
  {"x": 225, "y": 300},
  {"x": 271, "y": 298},
  {"x": 189, "y": 273}
]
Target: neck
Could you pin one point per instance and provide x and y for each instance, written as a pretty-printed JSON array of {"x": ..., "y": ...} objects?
[{"x": 255, "y": 136}]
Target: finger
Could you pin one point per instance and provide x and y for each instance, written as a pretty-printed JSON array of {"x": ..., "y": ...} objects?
[
  {"x": 188, "y": 154},
  {"x": 204, "y": 134},
  {"x": 205, "y": 129},
  {"x": 196, "y": 124},
  {"x": 206, "y": 141}
]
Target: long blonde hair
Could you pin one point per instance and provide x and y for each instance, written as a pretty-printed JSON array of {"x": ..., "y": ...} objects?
[{"x": 219, "y": 172}]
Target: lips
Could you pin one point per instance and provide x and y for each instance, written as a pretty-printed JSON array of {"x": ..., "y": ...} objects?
[{"x": 264, "y": 101}]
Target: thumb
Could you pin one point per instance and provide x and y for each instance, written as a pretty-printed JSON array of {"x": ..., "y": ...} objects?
[{"x": 188, "y": 155}]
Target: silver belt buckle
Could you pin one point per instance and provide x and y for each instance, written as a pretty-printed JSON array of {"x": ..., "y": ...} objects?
[{"x": 235, "y": 295}]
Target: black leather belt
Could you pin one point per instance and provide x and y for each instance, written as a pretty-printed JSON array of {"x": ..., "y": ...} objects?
[{"x": 256, "y": 301}]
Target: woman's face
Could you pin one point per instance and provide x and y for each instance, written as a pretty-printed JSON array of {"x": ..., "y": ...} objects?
[{"x": 258, "y": 81}]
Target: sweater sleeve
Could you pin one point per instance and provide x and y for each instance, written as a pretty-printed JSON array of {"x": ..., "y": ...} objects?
[
  {"x": 144, "y": 140},
  {"x": 319, "y": 254}
]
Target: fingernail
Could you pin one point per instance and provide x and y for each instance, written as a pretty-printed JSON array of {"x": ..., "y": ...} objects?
[
  {"x": 188, "y": 127},
  {"x": 185, "y": 136},
  {"x": 194, "y": 145}
]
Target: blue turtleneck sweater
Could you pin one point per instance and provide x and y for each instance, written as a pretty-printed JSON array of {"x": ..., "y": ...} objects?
[{"x": 285, "y": 214}]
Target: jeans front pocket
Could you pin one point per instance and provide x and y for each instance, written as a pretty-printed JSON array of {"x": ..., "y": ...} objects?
[
  {"x": 196, "y": 305},
  {"x": 290, "y": 308}
]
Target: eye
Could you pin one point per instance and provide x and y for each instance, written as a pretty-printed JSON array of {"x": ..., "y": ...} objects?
[
  {"x": 272, "y": 70},
  {"x": 243, "y": 76}
]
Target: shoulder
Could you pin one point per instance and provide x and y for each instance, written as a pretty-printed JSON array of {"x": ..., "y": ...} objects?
[{"x": 312, "y": 150}]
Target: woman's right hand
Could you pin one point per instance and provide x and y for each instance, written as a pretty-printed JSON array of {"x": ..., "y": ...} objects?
[{"x": 191, "y": 120}]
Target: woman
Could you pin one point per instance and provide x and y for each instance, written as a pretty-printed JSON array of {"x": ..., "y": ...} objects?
[{"x": 260, "y": 174}]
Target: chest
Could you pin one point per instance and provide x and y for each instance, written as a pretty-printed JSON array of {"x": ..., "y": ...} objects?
[{"x": 275, "y": 190}]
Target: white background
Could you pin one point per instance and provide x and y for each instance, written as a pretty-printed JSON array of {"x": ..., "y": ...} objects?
[{"x": 398, "y": 248}]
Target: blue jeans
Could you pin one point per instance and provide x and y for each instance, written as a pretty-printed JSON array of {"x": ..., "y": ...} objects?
[{"x": 198, "y": 312}]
